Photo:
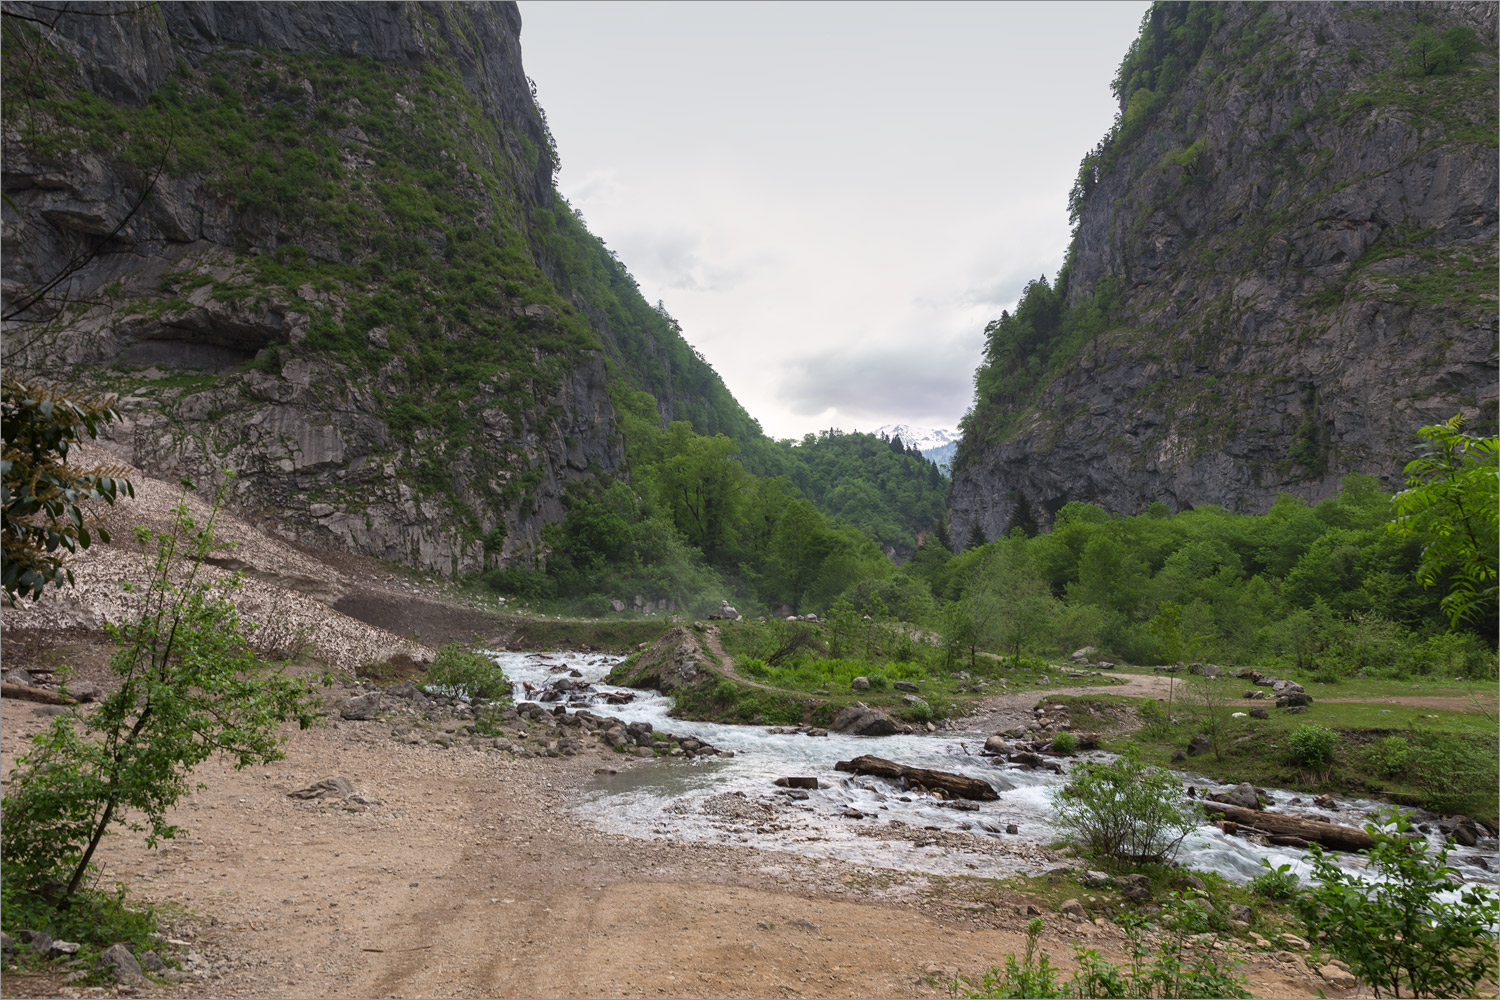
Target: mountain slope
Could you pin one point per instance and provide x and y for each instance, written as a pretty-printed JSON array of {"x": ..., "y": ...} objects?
[
  {"x": 1284, "y": 264},
  {"x": 318, "y": 244}
]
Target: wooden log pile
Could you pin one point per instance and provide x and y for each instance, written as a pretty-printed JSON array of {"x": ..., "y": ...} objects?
[{"x": 956, "y": 785}]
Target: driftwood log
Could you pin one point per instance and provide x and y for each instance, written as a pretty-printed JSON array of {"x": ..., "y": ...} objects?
[
  {"x": 954, "y": 784},
  {"x": 1331, "y": 835},
  {"x": 34, "y": 694}
]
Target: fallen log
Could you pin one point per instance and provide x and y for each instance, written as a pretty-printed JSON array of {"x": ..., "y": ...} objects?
[
  {"x": 954, "y": 784},
  {"x": 1331, "y": 835},
  {"x": 34, "y": 694}
]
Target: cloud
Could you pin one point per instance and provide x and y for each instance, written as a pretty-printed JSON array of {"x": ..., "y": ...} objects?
[
  {"x": 921, "y": 379},
  {"x": 676, "y": 261}
]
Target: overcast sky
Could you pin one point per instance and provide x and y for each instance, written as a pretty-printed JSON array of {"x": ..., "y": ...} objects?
[{"x": 833, "y": 199}]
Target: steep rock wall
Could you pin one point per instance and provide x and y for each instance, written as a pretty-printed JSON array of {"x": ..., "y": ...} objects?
[
  {"x": 317, "y": 244},
  {"x": 1296, "y": 253}
]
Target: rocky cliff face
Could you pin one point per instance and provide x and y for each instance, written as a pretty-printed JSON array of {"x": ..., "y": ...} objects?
[
  {"x": 317, "y": 244},
  {"x": 1284, "y": 264}
]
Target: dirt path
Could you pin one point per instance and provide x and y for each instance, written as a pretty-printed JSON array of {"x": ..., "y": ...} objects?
[{"x": 1004, "y": 711}]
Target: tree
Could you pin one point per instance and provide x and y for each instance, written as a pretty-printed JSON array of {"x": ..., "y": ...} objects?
[
  {"x": 190, "y": 686},
  {"x": 1450, "y": 503},
  {"x": 1409, "y": 921},
  {"x": 43, "y": 518}
]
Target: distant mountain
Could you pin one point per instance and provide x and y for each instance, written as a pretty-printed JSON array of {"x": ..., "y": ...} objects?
[{"x": 937, "y": 445}]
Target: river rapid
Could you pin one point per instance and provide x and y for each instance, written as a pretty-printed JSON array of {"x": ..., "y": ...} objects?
[{"x": 869, "y": 820}]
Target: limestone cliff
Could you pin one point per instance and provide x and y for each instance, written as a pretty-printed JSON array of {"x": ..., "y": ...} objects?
[
  {"x": 318, "y": 244},
  {"x": 1284, "y": 264}
]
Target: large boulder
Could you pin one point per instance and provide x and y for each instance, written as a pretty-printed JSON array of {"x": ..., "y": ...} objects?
[
  {"x": 860, "y": 720},
  {"x": 1199, "y": 744},
  {"x": 361, "y": 707}
]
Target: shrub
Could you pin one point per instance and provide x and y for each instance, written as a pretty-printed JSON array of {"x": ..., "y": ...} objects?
[
  {"x": 463, "y": 673},
  {"x": 1124, "y": 810},
  {"x": 1279, "y": 883},
  {"x": 1065, "y": 743},
  {"x": 1394, "y": 927},
  {"x": 1180, "y": 956},
  {"x": 1311, "y": 747},
  {"x": 1457, "y": 773},
  {"x": 1390, "y": 758}
]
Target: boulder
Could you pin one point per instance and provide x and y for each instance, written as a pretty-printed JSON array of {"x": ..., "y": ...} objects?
[
  {"x": 997, "y": 745},
  {"x": 860, "y": 684},
  {"x": 1199, "y": 744},
  {"x": 361, "y": 707},
  {"x": 904, "y": 686},
  {"x": 1292, "y": 699},
  {"x": 1072, "y": 908},
  {"x": 328, "y": 788},
  {"x": 1084, "y": 653},
  {"x": 1242, "y": 795},
  {"x": 1339, "y": 979},
  {"x": 119, "y": 964},
  {"x": 1259, "y": 713},
  {"x": 862, "y": 721}
]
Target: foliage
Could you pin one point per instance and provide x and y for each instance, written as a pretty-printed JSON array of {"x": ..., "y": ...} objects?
[
  {"x": 1457, "y": 773},
  {"x": 1179, "y": 956},
  {"x": 1434, "y": 54},
  {"x": 190, "y": 687},
  {"x": 93, "y": 917},
  {"x": 1450, "y": 503},
  {"x": 1312, "y": 747},
  {"x": 466, "y": 673},
  {"x": 1211, "y": 702},
  {"x": 43, "y": 517},
  {"x": 1124, "y": 810},
  {"x": 1409, "y": 922},
  {"x": 1065, "y": 743},
  {"x": 1279, "y": 883}
]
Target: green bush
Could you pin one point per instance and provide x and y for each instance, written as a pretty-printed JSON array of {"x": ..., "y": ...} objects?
[
  {"x": 1393, "y": 926},
  {"x": 1312, "y": 747},
  {"x": 1279, "y": 883},
  {"x": 1178, "y": 956},
  {"x": 460, "y": 672},
  {"x": 1065, "y": 743},
  {"x": 1124, "y": 810},
  {"x": 1457, "y": 773},
  {"x": 1390, "y": 758}
]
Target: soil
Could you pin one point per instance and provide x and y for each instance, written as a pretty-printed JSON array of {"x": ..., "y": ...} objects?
[{"x": 470, "y": 874}]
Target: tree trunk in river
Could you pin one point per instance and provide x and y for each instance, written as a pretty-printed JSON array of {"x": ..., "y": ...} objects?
[
  {"x": 954, "y": 784},
  {"x": 1332, "y": 835}
]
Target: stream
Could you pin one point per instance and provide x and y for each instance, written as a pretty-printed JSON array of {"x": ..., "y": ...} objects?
[{"x": 870, "y": 820}]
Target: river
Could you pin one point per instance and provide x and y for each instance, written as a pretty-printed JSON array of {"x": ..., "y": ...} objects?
[{"x": 734, "y": 800}]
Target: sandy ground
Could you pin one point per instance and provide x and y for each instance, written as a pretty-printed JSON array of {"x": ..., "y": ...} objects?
[{"x": 468, "y": 874}]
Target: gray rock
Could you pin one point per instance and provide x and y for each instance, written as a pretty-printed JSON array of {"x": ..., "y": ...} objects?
[
  {"x": 815, "y": 731},
  {"x": 119, "y": 964},
  {"x": 62, "y": 949},
  {"x": 1296, "y": 709},
  {"x": 1095, "y": 880},
  {"x": 1199, "y": 744},
  {"x": 361, "y": 707},
  {"x": 1012, "y": 828},
  {"x": 860, "y": 684},
  {"x": 39, "y": 942},
  {"x": 7, "y": 945},
  {"x": 997, "y": 745},
  {"x": 19, "y": 676},
  {"x": 1259, "y": 713},
  {"x": 862, "y": 721},
  {"x": 914, "y": 701},
  {"x": 1072, "y": 908},
  {"x": 905, "y": 686},
  {"x": 1242, "y": 795}
]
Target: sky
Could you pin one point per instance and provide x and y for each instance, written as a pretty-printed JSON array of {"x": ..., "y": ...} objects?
[{"x": 833, "y": 199}]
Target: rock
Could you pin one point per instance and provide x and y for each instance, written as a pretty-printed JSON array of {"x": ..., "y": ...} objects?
[
  {"x": 914, "y": 701},
  {"x": 862, "y": 721},
  {"x": 1178, "y": 756},
  {"x": 1293, "y": 699},
  {"x": 1084, "y": 653},
  {"x": 1338, "y": 978},
  {"x": 997, "y": 745},
  {"x": 815, "y": 731},
  {"x": 39, "y": 942},
  {"x": 118, "y": 963},
  {"x": 797, "y": 782},
  {"x": 361, "y": 707},
  {"x": 1259, "y": 713},
  {"x": 1072, "y": 908},
  {"x": 1293, "y": 941},
  {"x": 86, "y": 692},
  {"x": 1095, "y": 880},
  {"x": 1296, "y": 709},
  {"x": 19, "y": 676},
  {"x": 1011, "y": 828},
  {"x": 1242, "y": 795},
  {"x": 860, "y": 684},
  {"x": 328, "y": 788},
  {"x": 1199, "y": 744},
  {"x": 60, "y": 949},
  {"x": 7, "y": 945},
  {"x": 904, "y": 686},
  {"x": 151, "y": 960},
  {"x": 1190, "y": 882}
]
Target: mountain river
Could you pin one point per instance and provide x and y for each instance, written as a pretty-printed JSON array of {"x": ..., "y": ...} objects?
[{"x": 870, "y": 820}]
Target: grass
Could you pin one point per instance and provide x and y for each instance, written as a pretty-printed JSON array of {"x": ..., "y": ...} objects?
[{"x": 1449, "y": 765}]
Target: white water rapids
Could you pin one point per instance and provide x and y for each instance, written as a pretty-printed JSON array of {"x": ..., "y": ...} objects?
[{"x": 734, "y": 801}]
